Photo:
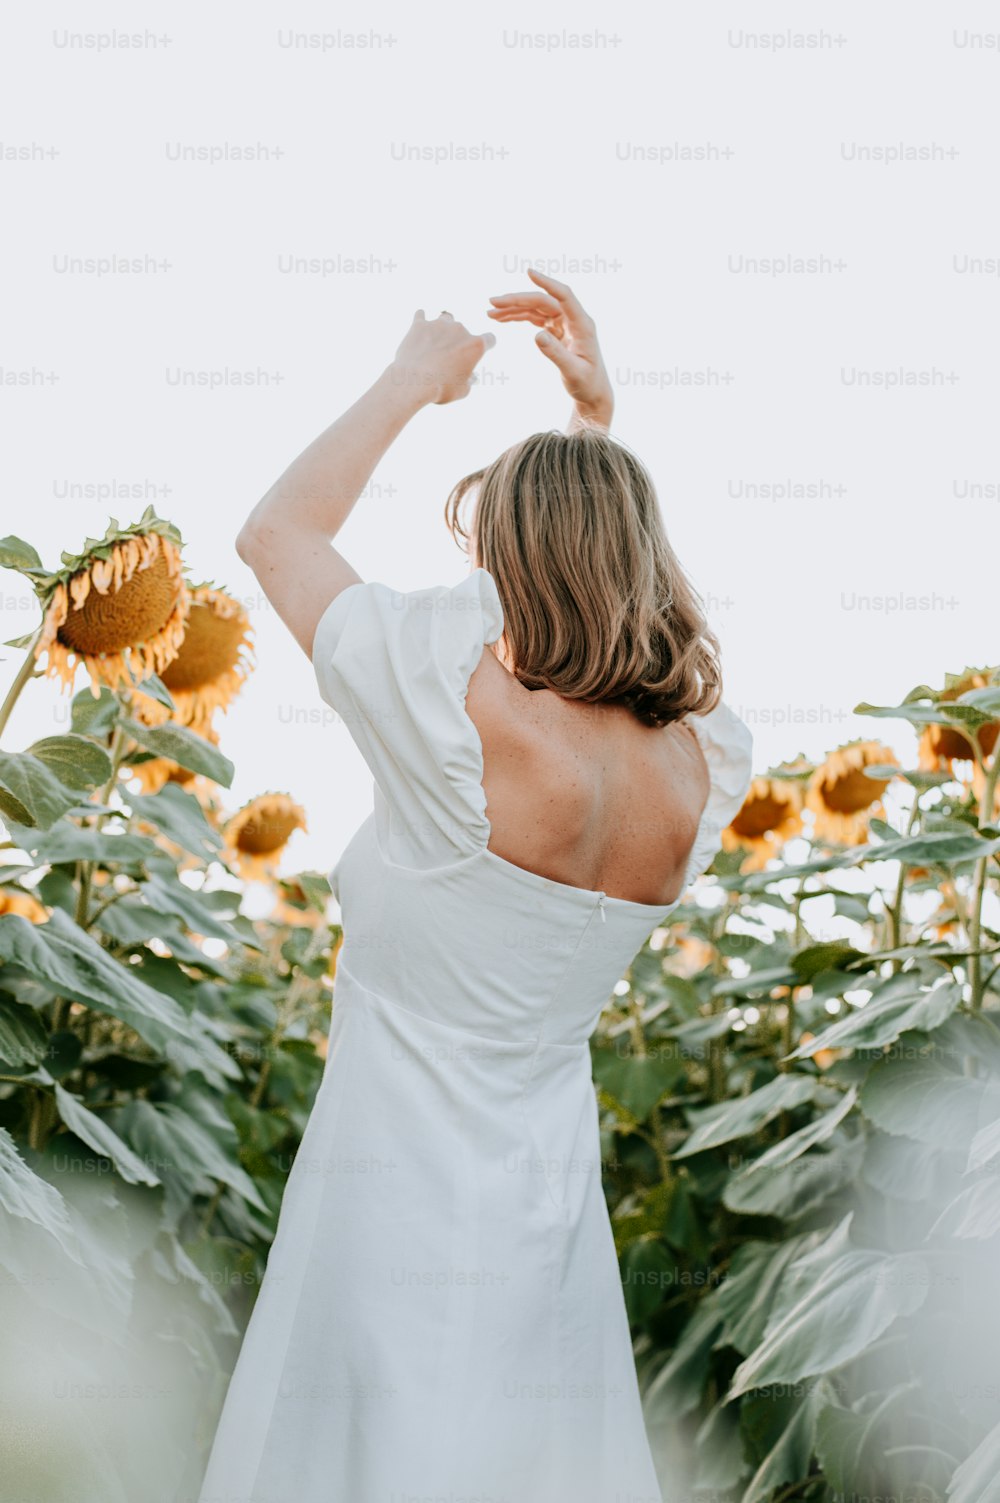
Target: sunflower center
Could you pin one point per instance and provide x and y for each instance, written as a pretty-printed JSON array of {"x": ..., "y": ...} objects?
[
  {"x": 852, "y": 791},
  {"x": 758, "y": 816},
  {"x": 123, "y": 618},
  {"x": 263, "y": 833},
  {"x": 950, "y": 743},
  {"x": 211, "y": 647}
]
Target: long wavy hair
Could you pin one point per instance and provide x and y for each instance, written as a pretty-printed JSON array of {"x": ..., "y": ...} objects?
[{"x": 596, "y": 604}]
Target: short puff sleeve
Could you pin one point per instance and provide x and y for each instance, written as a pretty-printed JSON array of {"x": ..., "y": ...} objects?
[
  {"x": 727, "y": 745},
  {"x": 396, "y": 665}
]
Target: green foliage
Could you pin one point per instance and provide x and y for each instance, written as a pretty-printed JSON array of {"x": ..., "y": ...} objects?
[
  {"x": 801, "y": 1134},
  {"x": 159, "y": 1055}
]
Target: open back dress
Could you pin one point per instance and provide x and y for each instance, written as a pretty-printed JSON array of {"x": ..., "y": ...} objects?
[{"x": 441, "y": 1317}]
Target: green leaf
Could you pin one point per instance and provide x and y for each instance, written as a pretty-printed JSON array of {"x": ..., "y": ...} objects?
[
  {"x": 678, "y": 1386},
  {"x": 648, "y": 1269},
  {"x": 807, "y": 1137},
  {"x": 789, "y": 1458},
  {"x": 977, "y": 1480},
  {"x": 851, "y": 1304},
  {"x": 35, "y": 788},
  {"x": 896, "y": 1007},
  {"x": 746, "y": 1115},
  {"x": 70, "y": 843},
  {"x": 15, "y": 553},
  {"x": 792, "y": 1190},
  {"x": 837, "y": 953},
  {"x": 182, "y": 1150},
  {"x": 63, "y": 1053},
  {"x": 172, "y": 896},
  {"x": 180, "y": 817},
  {"x": 915, "y": 713},
  {"x": 154, "y": 688},
  {"x": 25, "y": 1194},
  {"x": 77, "y": 761},
  {"x": 94, "y": 715},
  {"x": 12, "y": 809},
  {"x": 98, "y": 1135},
  {"x": 935, "y": 848},
  {"x": 985, "y": 1147},
  {"x": 923, "y": 1099},
  {"x": 183, "y": 746},
  {"x": 975, "y": 1213},
  {"x": 755, "y": 982},
  {"x": 747, "y": 1295},
  {"x": 78, "y": 968},
  {"x": 699, "y": 1030},
  {"x": 23, "y": 1040},
  {"x": 719, "y": 1447},
  {"x": 636, "y": 1081}
]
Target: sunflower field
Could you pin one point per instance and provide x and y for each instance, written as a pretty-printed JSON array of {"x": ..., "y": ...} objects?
[
  {"x": 798, "y": 1082},
  {"x": 159, "y": 1053}
]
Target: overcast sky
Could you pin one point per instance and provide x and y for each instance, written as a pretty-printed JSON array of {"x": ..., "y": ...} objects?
[{"x": 674, "y": 158}]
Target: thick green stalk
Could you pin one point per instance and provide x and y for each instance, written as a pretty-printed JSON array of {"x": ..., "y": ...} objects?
[
  {"x": 24, "y": 673},
  {"x": 979, "y": 892}
]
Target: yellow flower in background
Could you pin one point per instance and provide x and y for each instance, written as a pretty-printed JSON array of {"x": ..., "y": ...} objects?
[
  {"x": 293, "y": 905},
  {"x": 841, "y": 795},
  {"x": 16, "y": 900},
  {"x": 691, "y": 956},
  {"x": 212, "y": 663},
  {"x": 771, "y": 814},
  {"x": 945, "y": 743},
  {"x": 119, "y": 608},
  {"x": 256, "y": 836}
]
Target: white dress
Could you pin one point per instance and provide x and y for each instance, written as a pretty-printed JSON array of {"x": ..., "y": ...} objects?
[{"x": 442, "y": 1317}]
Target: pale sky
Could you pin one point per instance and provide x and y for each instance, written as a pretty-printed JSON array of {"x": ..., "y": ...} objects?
[{"x": 308, "y": 265}]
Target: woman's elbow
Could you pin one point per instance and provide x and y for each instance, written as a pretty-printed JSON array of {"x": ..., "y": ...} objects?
[{"x": 249, "y": 545}]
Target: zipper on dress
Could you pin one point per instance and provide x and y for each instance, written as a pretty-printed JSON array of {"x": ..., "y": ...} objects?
[{"x": 600, "y": 904}]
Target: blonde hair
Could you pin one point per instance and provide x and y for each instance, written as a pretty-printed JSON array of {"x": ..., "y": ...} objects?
[{"x": 596, "y": 605}]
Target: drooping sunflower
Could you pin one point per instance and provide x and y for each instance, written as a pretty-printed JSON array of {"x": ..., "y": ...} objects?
[
  {"x": 16, "y": 900},
  {"x": 212, "y": 663},
  {"x": 294, "y": 905},
  {"x": 946, "y": 743},
  {"x": 771, "y": 814},
  {"x": 841, "y": 795},
  {"x": 256, "y": 835},
  {"x": 118, "y": 607}
]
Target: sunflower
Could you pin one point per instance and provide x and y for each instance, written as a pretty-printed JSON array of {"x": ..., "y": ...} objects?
[
  {"x": 256, "y": 836},
  {"x": 212, "y": 664},
  {"x": 946, "y": 743},
  {"x": 16, "y": 900},
  {"x": 771, "y": 814},
  {"x": 294, "y": 907},
  {"x": 841, "y": 795},
  {"x": 119, "y": 607}
]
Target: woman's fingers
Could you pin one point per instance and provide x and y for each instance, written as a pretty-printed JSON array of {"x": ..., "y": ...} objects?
[
  {"x": 540, "y": 320},
  {"x": 539, "y": 300},
  {"x": 563, "y": 295}
]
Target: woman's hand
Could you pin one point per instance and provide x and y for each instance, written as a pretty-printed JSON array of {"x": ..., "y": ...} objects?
[
  {"x": 437, "y": 358},
  {"x": 568, "y": 336}
]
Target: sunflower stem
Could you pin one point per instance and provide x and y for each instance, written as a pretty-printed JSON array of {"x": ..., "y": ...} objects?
[
  {"x": 896, "y": 907},
  {"x": 977, "y": 988},
  {"x": 24, "y": 673}
]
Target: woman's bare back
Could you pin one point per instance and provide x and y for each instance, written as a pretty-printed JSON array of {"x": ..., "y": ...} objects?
[{"x": 586, "y": 794}]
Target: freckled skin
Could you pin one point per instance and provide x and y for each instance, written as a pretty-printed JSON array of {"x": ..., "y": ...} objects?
[{"x": 586, "y": 794}]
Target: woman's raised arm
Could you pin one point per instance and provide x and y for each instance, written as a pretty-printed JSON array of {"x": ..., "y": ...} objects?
[{"x": 286, "y": 538}]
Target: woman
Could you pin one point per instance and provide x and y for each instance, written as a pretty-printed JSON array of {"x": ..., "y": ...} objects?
[{"x": 442, "y": 1316}]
